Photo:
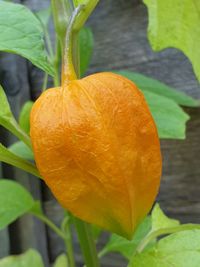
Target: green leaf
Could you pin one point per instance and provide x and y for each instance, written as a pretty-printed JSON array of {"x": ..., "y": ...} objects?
[
  {"x": 31, "y": 258},
  {"x": 22, "y": 150},
  {"x": 14, "y": 160},
  {"x": 61, "y": 261},
  {"x": 86, "y": 42},
  {"x": 15, "y": 201},
  {"x": 44, "y": 16},
  {"x": 24, "y": 117},
  {"x": 124, "y": 246},
  {"x": 146, "y": 83},
  {"x": 8, "y": 121},
  {"x": 162, "y": 225},
  {"x": 5, "y": 111},
  {"x": 170, "y": 119},
  {"x": 22, "y": 34},
  {"x": 160, "y": 220},
  {"x": 181, "y": 249},
  {"x": 176, "y": 23}
]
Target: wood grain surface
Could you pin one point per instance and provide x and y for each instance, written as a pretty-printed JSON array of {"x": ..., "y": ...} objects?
[{"x": 120, "y": 31}]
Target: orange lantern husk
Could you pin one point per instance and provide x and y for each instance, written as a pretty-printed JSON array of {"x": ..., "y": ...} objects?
[{"x": 97, "y": 148}]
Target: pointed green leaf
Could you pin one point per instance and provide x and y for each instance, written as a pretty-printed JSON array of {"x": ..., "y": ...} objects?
[
  {"x": 125, "y": 247},
  {"x": 31, "y": 258},
  {"x": 5, "y": 112},
  {"x": 22, "y": 34},
  {"x": 160, "y": 220},
  {"x": 15, "y": 200},
  {"x": 176, "y": 250},
  {"x": 176, "y": 23},
  {"x": 146, "y": 83}
]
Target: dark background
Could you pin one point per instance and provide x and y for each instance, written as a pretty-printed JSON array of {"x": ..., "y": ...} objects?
[{"x": 119, "y": 28}]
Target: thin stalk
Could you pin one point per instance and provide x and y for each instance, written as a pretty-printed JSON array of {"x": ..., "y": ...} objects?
[
  {"x": 61, "y": 10},
  {"x": 87, "y": 243},
  {"x": 51, "y": 225},
  {"x": 84, "y": 15},
  {"x": 153, "y": 235},
  {"x": 71, "y": 70},
  {"x": 68, "y": 72},
  {"x": 57, "y": 61},
  {"x": 66, "y": 228}
]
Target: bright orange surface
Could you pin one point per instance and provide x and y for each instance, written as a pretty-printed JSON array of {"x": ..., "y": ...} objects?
[{"x": 97, "y": 148}]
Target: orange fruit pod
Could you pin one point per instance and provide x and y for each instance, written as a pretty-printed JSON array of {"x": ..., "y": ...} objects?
[{"x": 97, "y": 148}]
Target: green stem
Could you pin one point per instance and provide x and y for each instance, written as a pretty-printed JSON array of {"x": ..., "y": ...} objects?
[
  {"x": 102, "y": 253},
  {"x": 57, "y": 61},
  {"x": 12, "y": 159},
  {"x": 87, "y": 243},
  {"x": 48, "y": 222},
  {"x": 66, "y": 228},
  {"x": 70, "y": 250},
  {"x": 72, "y": 60},
  {"x": 70, "y": 57},
  {"x": 84, "y": 15},
  {"x": 62, "y": 10},
  {"x": 153, "y": 235}
]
